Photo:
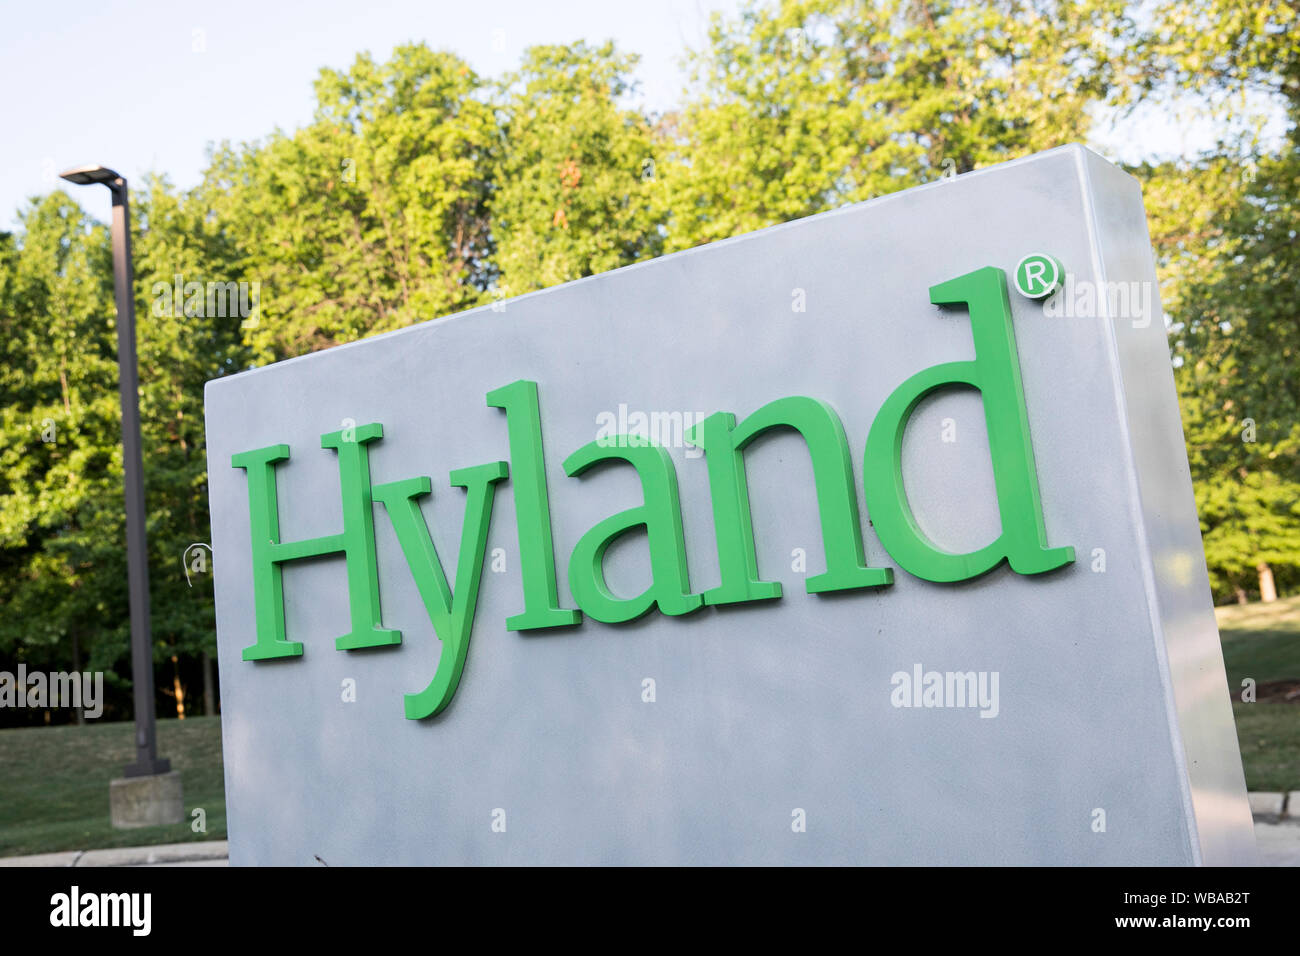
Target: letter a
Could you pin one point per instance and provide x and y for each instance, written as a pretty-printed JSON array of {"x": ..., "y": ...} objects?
[{"x": 660, "y": 516}]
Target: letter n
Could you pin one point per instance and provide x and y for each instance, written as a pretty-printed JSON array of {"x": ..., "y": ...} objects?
[{"x": 724, "y": 442}]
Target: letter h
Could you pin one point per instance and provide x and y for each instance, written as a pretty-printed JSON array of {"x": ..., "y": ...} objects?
[{"x": 356, "y": 543}]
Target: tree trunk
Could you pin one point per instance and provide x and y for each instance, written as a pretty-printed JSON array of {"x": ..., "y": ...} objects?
[
  {"x": 1242, "y": 596},
  {"x": 209, "y": 697},
  {"x": 177, "y": 689},
  {"x": 1267, "y": 589},
  {"x": 78, "y": 715}
]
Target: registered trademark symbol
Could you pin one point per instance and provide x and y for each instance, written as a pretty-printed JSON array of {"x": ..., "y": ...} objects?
[{"x": 1038, "y": 276}]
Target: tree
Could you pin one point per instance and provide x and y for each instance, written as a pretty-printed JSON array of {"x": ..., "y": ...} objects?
[
  {"x": 1224, "y": 50},
  {"x": 575, "y": 189},
  {"x": 184, "y": 338},
  {"x": 374, "y": 216},
  {"x": 804, "y": 105},
  {"x": 1225, "y": 230},
  {"x": 62, "y": 532}
]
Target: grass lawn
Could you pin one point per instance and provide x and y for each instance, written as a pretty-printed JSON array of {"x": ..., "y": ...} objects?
[
  {"x": 1269, "y": 734},
  {"x": 1262, "y": 641},
  {"x": 54, "y": 784}
]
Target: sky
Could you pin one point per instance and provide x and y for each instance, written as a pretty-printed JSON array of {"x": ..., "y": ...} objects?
[{"x": 146, "y": 86}]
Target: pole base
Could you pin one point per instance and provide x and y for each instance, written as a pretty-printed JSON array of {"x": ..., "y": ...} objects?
[
  {"x": 143, "y": 767},
  {"x": 146, "y": 801}
]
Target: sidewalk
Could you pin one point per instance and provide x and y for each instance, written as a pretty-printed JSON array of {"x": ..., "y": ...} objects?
[
  {"x": 207, "y": 853},
  {"x": 1279, "y": 845}
]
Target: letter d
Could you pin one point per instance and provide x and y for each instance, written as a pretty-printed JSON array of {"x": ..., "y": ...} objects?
[{"x": 995, "y": 373}]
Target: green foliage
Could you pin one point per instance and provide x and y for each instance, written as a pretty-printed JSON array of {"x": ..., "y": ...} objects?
[
  {"x": 180, "y": 349},
  {"x": 1239, "y": 341},
  {"x": 804, "y": 105},
  {"x": 1225, "y": 229},
  {"x": 374, "y": 216},
  {"x": 62, "y": 556},
  {"x": 62, "y": 528},
  {"x": 575, "y": 184},
  {"x": 1224, "y": 49}
]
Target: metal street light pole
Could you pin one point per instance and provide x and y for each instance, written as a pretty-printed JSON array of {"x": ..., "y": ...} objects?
[{"x": 147, "y": 761}]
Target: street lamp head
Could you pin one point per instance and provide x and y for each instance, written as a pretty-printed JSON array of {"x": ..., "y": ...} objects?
[{"x": 85, "y": 175}]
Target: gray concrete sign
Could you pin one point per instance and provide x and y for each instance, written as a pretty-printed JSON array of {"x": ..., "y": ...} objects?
[{"x": 993, "y": 641}]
